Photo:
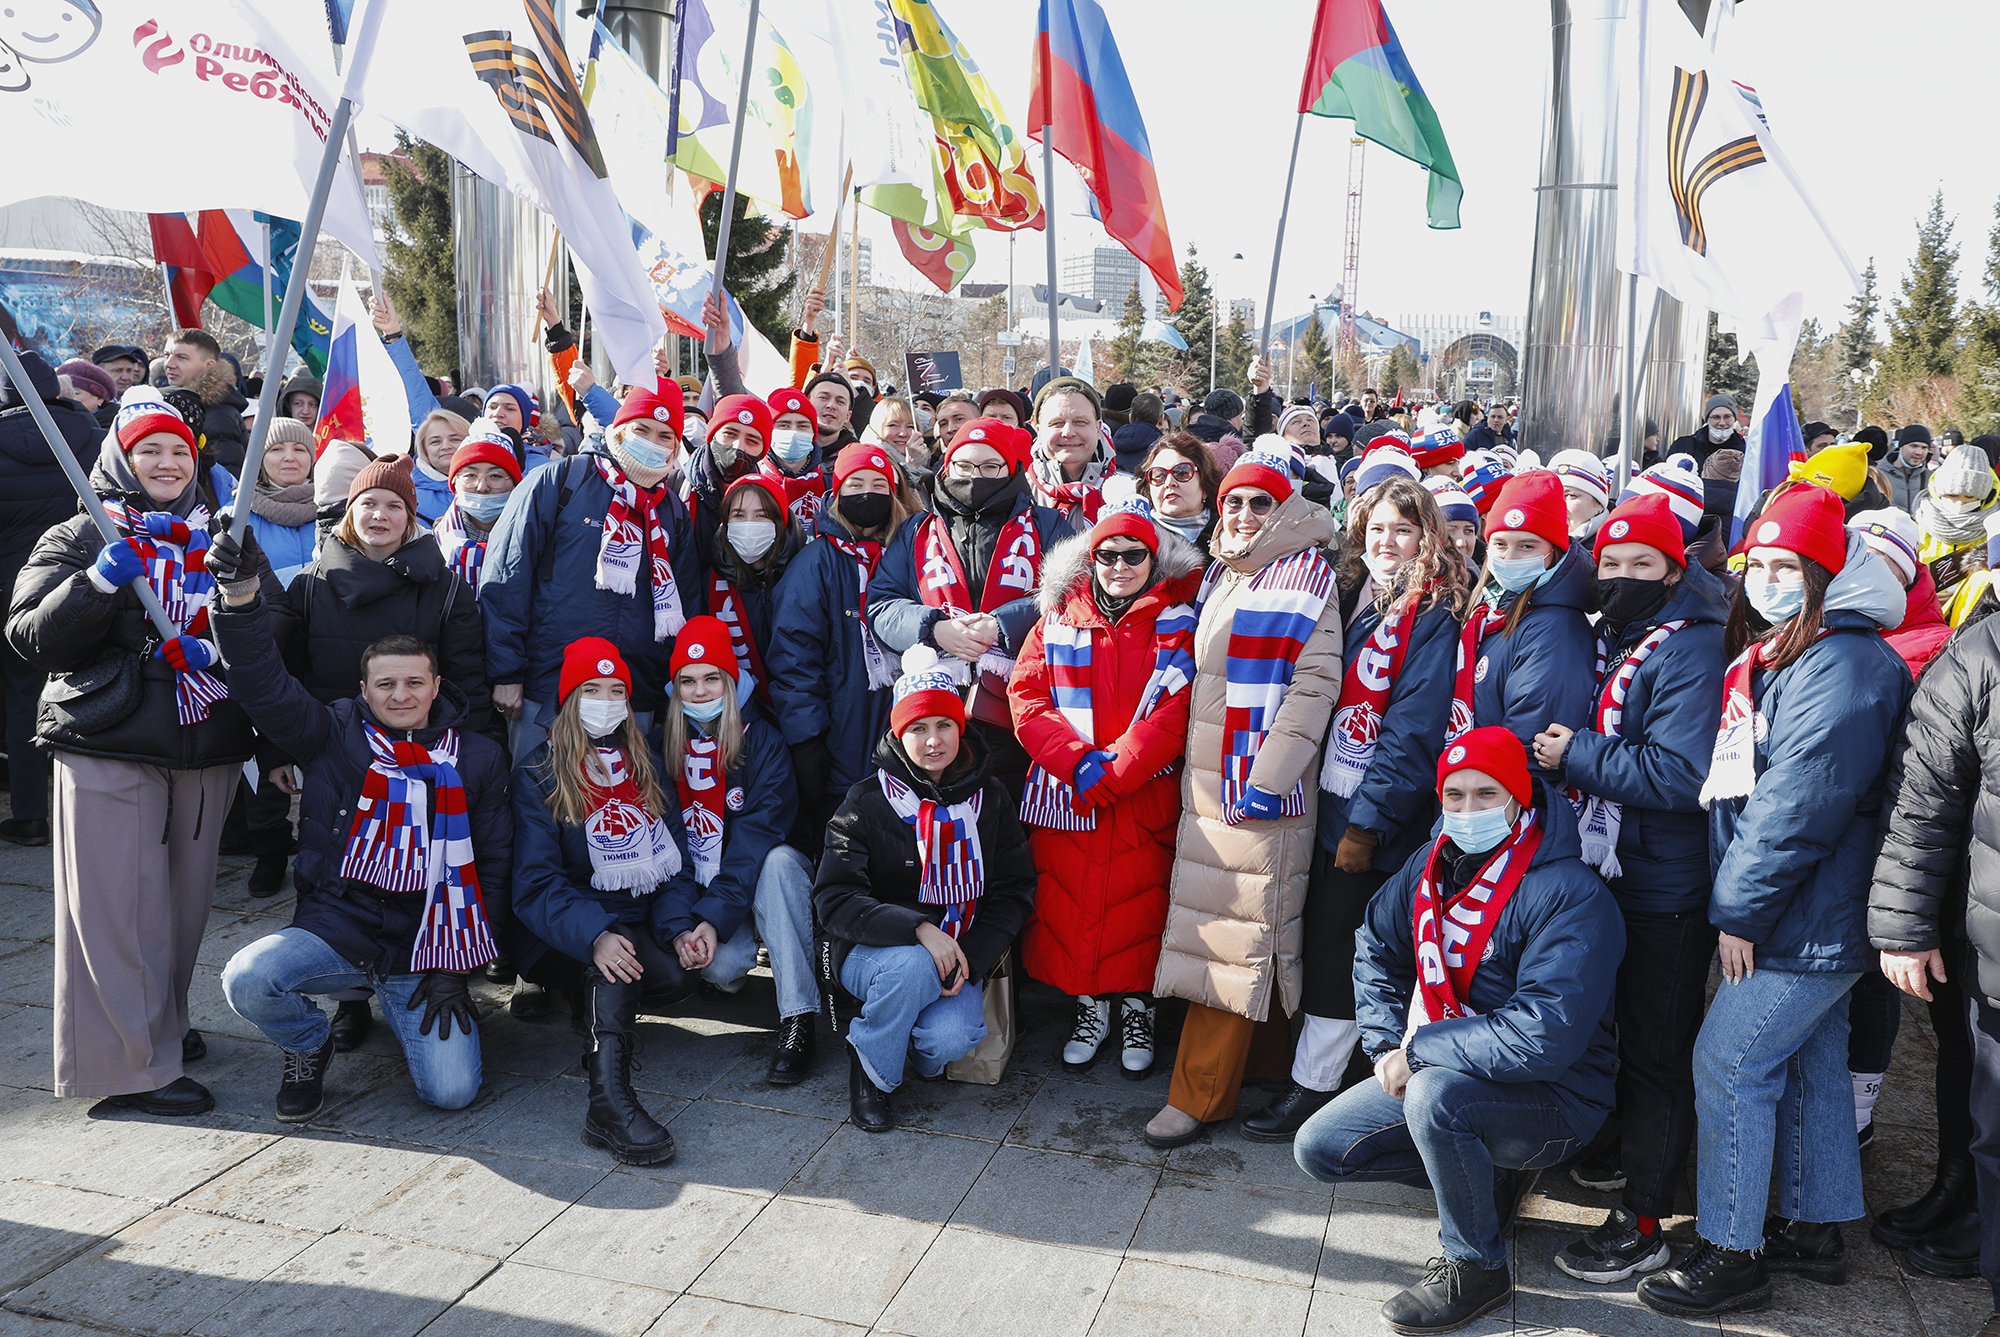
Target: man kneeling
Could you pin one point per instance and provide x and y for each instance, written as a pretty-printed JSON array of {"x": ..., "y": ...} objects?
[
  {"x": 1483, "y": 987},
  {"x": 404, "y": 819}
]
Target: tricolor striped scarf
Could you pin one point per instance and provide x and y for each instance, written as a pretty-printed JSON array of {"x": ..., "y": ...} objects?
[
  {"x": 1272, "y": 622},
  {"x": 464, "y": 552},
  {"x": 867, "y": 555},
  {"x": 411, "y": 833},
  {"x": 1447, "y": 961},
  {"x": 632, "y": 528},
  {"x": 1052, "y": 802},
  {"x": 951, "y": 872},
  {"x": 175, "y": 552},
  {"x": 1598, "y": 819}
]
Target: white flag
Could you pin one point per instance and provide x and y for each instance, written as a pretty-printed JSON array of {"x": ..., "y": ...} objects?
[
  {"x": 886, "y": 135},
  {"x": 76, "y": 77},
  {"x": 490, "y": 84},
  {"x": 1710, "y": 209}
]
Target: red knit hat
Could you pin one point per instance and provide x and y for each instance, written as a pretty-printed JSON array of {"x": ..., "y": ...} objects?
[
  {"x": 1531, "y": 503},
  {"x": 859, "y": 455},
  {"x": 587, "y": 658},
  {"x": 1648, "y": 518},
  {"x": 769, "y": 486},
  {"x": 1131, "y": 518},
  {"x": 390, "y": 475},
  {"x": 1269, "y": 472},
  {"x": 787, "y": 400},
  {"x": 1808, "y": 520},
  {"x": 745, "y": 411},
  {"x": 140, "y": 419},
  {"x": 662, "y": 403},
  {"x": 704, "y": 640},
  {"x": 1003, "y": 437},
  {"x": 485, "y": 445},
  {"x": 1498, "y": 753},
  {"x": 921, "y": 695}
]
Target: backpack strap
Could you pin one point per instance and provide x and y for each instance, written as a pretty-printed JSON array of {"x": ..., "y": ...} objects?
[{"x": 546, "y": 571}]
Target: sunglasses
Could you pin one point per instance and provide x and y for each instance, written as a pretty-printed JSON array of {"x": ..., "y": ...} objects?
[
  {"x": 1180, "y": 473},
  {"x": 1258, "y": 505},
  {"x": 1134, "y": 557}
]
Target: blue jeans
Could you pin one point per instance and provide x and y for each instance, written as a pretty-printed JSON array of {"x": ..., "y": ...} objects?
[
  {"x": 903, "y": 1008},
  {"x": 1447, "y": 1134},
  {"x": 1771, "y": 1086},
  {"x": 267, "y": 982},
  {"x": 782, "y": 914}
]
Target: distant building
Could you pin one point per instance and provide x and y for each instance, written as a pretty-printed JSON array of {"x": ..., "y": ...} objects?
[
  {"x": 1105, "y": 276},
  {"x": 1243, "y": 308}
]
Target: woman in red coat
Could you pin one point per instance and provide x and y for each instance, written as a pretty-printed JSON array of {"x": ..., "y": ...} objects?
[{"x": 1100, "y": 701}]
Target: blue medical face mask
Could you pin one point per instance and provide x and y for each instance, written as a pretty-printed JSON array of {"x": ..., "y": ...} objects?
[
  {"x": 703, "y": 712},
  {"x": 1478, "y": 832},
  {"x": 1777, "y": 602},
  {"x": 485, "y": 507},
  {"x": 791, "y": 445},
  {"x": 1514, "y": 574},
  {"x": 644, "y": 453}
]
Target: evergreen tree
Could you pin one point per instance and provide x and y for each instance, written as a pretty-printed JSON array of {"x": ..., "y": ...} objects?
[
  {"x": 1923, "y": 321},
  {"x": 1854, "y": 347},
  {"x": 757, "y": 274},
  {"x": 1398, "y": 372},
  {"x": 1194, "y": 320},
  {"x": 1127, "y": 348},
  {"x": 1232, "y": 355},
  {"x": 419, "y": 269},
  {"x": 1315, "y": 359},
  {"x": 1722, "y": 374}
]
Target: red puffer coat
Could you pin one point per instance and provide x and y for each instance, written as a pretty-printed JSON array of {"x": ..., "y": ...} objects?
[
  {"x": 1924, "y": 630},
  {"x": 1101, "y": 901}
]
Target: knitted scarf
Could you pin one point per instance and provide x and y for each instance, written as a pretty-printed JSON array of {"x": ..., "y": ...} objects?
[
  {"x": 700, "y": 787},
  {"x": 804, "y": 493},
  {"x": 1271, "y": 623},
  {"x": 1481, "y": 621},
  {"x": 1365, "y": 689},
  {"x": 867, "y": 555},
  {"x": 1014, "y": 571},
  {"x": 950, "y": 870},
  {"x": 1050, "y": 801},
  {"x": 630, "y": 849},
  {"x": 726, "y": 604},
  {"x": 1447, "y": 959},
  {"x": 1732, "y": 767},
  {"x": 631, "y": 528},
  {"x": 175, "y": 553},
  {"x": 1599, "y": 819},
  {"x": 286, "y": 507},
  {"x": 464, "y": 549},
  {"x": 1045, "y": 477},
  {"x": 411, "y": 834}
]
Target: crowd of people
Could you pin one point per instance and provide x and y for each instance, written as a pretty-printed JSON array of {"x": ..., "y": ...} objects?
[{"x": 1436, "y": 780}]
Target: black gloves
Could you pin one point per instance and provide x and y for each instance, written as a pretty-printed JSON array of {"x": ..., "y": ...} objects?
[
  {"x": 442, "y": 995},
  {"x": 232, "y": 560},
  {"x": 812, "y": 764}
]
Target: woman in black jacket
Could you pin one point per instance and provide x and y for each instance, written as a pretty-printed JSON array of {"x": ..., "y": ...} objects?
[
  {"x": 144, "y": 766},
  {"x": 911, "y": 934}
]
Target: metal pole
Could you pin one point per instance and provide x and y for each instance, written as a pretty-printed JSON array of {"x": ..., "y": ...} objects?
[
  {"x": 854, "y": 273},
  {"x": 267, "y": 287},
  {"x": 354, "y": 157},
  {"x": 735, "y": 156},
  {"x": 1626, "y": 417},
  {"x": 50, "y": 433},
  {"x": 1049, "y": 224},
  {"x": 1278, "y": 246}
]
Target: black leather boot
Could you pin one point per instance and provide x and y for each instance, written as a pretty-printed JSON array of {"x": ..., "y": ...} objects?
[
  {"x": 1451, "y": 1295},
  {"x": 616, "y": 1121},
  {"x": 1949, "y": 1193},
  {"x": 268, "y": 877},
  {"x": 351, "y": 1023},
  {"x": 1951, "y": 1250},
  {"x": 302, "y": 1092},
  {"x": 193, "y": 1047},
  {"x": 1810, "y": 1248},
  {"x": 868, "y": 1105},
  {"x": 1711, "y": 1280},
  {"x": 178, "y": 1099},
  {"x": 798, "y": 1045},
  {"x": 1281, "y": 1120}
]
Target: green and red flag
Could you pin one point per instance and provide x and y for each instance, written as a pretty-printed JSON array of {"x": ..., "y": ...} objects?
[{"x": 1356, "y": 69}]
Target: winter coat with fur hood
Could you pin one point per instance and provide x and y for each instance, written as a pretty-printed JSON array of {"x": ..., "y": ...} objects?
[
  {"x": 223, "y": 432},
  {"x": 1234, "y": 922},
  {"x": 1101, "y": 894}
]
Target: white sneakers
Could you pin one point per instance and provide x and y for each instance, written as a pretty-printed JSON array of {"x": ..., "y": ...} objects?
[
  {"x": 1093, "y": 1026},
  {"x": 1086, "y": 1036},
  {"x": 1136, "y": 1027}
]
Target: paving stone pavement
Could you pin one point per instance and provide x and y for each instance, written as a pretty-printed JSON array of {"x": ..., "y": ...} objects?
[{"x": 1028, "y": 1207}]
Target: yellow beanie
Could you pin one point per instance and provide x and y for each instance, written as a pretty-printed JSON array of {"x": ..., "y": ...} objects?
[{"x": 1842, "y": 468}]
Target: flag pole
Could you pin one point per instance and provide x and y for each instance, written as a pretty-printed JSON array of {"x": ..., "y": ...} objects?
[
  {"x": 854, "y": 271},
  {"x": 295, "y": 289},
  {"x": 833, "y": 237},
  {"x": 1626, "y": 417},
  {"x": 39, "y": 411},
  {"x": 728, "y": 214},
  {"x": 1049, "y": 226},
  {"x": 267, "y": 287},
  {"x": 548, "y": 272},
  {"x": 1278, "y": 246}
]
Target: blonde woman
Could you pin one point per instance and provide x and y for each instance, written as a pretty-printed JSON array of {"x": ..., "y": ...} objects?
[{"x": 438, "y": 437}]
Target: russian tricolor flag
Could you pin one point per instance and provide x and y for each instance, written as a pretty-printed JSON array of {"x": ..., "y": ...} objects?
[{"x": 1082, "y": 100}]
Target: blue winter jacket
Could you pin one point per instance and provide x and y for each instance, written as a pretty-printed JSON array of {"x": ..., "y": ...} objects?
[
  {"x": 1656, "y": 765},
  {"x": 1794, "y": 859},
  {"x": 289, "y": 548},
  {"x": 1397, "y": 798},
  {"x": 1544, "y": 672},
  {"x": 530, "y": 621},
  {"x": 760, "y": 802},
  {"x": 415, "y": 388},
  {"x": 819, "y": 675},
  {"x": 434, "y": 494},
  {"x": 1542, "y": 995}
]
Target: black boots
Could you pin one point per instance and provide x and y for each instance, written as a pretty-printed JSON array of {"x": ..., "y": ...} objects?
[
  {"x": 302, "y": 1091},
  {"x": 868, "y": 1105},
  {"x": 178, "y": 1099},
  {"x": 1711, "y": 1280},
  {"x": 1950, "y": 1192},
  {"x": 352, "y": 1021},
  {"x": 193, "y": 1047},
  {"x": 268, "y": 877},
  {"x": 797, "y": 1047},
  {"x": 1281, "y": 1120},
  {"x": 1451, "y": 1295},
  {"x": 1810, "y": 1248},
  {"x": 616, "y": 1121},
  {"x": 1951, "y": 1249}
]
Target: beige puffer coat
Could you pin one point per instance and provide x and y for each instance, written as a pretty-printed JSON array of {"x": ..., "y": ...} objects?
[{"x": 1238, "y": 892}]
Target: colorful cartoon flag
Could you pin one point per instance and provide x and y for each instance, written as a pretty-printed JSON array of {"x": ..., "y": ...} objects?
[
  {"x": 938, "y": 256},
  {"x": 982, "y": 162},
  {"x": 1081, "y": 99},
  {"x": 1356, "y": 69},
  {"x": 708, "y": 48},
  {"x": 362, "y": 398}
]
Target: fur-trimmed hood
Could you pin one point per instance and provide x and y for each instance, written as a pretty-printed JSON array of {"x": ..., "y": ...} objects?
[
  {"x": 217, "y": 385},
  {"x": 1066, "y": 570}
]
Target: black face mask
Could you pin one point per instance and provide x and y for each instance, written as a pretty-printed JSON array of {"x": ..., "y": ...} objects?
[
  {"x": 866, "y": 510},
  {"x": 975, "y": 493},
  {"x": 1625, "y": 601}
]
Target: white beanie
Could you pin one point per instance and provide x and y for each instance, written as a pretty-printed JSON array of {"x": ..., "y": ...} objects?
[
  {"x": 1583, "y": 470},
  {"x": 1893, "y": 534}
]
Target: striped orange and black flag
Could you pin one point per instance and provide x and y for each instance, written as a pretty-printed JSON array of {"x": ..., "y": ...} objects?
[
  {"x": 492, "y": 54},
  {"x": 555, "y": 85},
  {"x": 1683, "y": 115}
]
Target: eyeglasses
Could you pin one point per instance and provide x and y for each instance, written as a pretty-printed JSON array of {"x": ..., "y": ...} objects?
[
  {"x": 991, "y": 469},
  {"x": 1180, "y": 473},
  {"x": 1257, "y": 505},
  {"x": 1134, "y": 557}
]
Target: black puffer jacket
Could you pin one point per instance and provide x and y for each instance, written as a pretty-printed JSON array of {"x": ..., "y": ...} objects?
[
  {"x": 866, "y": 891},
  {"x": 343, "y": 603},
  {"x": 223, "y": 434},
  {"x": 372, "y": 928},
  {"x": 34, "y": 492},
  {"x": 1937, "y": 879}
]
